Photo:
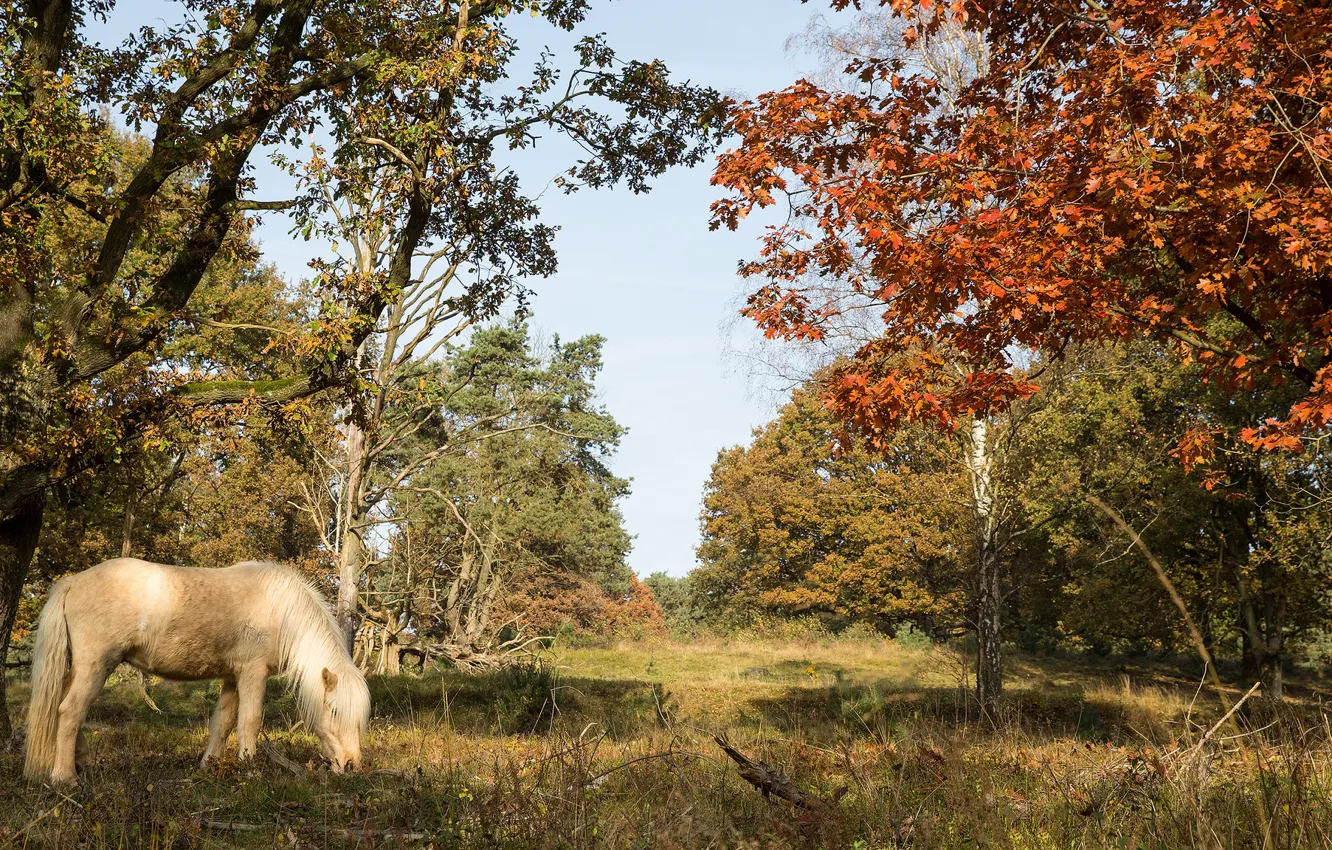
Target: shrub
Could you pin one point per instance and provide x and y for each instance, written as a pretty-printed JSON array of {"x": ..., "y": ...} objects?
[
  {"x": 912, "y": 640},
  {"x": 524, "y": 695},
  {"x": 638, "y": 615},
  {"x": 788, "y": 629}
]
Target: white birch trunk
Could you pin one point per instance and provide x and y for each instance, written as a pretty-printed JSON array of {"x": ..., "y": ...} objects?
[{"x": 987, "y": 590}]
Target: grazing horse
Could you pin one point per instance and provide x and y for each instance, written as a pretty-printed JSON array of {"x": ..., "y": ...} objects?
[{"x": 239, "y": 624}]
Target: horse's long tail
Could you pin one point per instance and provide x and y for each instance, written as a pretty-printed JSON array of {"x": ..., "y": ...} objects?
[{"x": 50, "y": 664}]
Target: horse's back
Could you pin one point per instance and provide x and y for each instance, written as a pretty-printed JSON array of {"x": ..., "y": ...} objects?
[
  {"x": 178, "y": 622},
  {"x": 147, "y": 589},
  {"x": 115, "y": 595}
]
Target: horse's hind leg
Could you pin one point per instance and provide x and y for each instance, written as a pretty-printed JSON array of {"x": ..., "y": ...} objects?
[
  {"x": 224, "y": 720},
  {"x": 84, "y": 685},
  {"x": 250, "y": 707}
]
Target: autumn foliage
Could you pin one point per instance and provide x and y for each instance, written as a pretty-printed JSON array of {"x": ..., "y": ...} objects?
[
  {"x": 551, "y": 603},
  {"x": 791, "y": 529},
  {"x": 1106, "y": 172}
]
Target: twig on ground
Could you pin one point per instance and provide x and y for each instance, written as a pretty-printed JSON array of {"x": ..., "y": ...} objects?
[
  {"x": 234, "y": 826},
  {"x": 271, "y": 753},
  {"x": 231, "y": 826},
  {"x": 772, "y": 782},
  {"x": 30, "y": 824}
]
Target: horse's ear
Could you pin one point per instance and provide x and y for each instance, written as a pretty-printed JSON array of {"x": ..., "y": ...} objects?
[{"x": 330, "y": 679}]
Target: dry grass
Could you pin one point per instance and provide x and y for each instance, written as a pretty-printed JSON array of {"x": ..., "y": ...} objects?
[{"x": 613, "y": 748}]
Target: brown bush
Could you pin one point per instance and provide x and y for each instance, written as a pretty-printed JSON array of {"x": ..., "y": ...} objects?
[
  {"x": 547, "y": 602},
  {"x": 638, "y": 615}
]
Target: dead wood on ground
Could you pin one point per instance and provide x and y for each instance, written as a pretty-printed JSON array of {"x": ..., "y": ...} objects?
[{"x": 772, "y": 782}]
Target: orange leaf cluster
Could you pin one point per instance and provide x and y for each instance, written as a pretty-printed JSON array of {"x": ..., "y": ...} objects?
[{"x": 1167, "y": 172}]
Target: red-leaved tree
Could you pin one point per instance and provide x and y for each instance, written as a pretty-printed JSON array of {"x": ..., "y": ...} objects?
[
  {"x": 1107, "y": 170},
  {"x": 990, "y": 181}
]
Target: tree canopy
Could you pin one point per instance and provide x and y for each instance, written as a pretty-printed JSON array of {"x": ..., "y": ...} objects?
[
  {"x": 1098, "y": 173},
  {"x": 104, "y": 244},
  {"x": 806, "y": 521},
  {"x": 790, "y": 527}
]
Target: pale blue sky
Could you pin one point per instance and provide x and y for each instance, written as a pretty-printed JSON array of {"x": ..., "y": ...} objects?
[
  {"x": 645, "y": 272},
  {"x": 641, "y": 270}
]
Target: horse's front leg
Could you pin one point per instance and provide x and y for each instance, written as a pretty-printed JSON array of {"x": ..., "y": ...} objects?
[
  {"x": 250, "y": 709},
  {"x": 224, "y": 720}
]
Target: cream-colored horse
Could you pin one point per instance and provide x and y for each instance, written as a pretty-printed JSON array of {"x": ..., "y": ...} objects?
[{"x": 238, "y": 624}]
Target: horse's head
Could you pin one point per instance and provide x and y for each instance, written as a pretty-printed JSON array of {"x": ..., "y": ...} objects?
[{"x": 342, "y": 719}]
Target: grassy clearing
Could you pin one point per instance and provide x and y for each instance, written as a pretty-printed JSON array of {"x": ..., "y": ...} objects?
[{"x": 613, "y": 748}]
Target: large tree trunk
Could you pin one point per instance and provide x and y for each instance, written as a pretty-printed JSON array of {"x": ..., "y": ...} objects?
[
  {"x": 1248, "y": 655},
  {"x": 1264, "y": 641},
  {"x": 1262, "y": 600},
  {"x": 127, "y": 522},
  {"x": 1273, "y": 679},
  {"x": 1274, "y": 643},
  {"x": 352, "y": 562},
  {"x": 478, "y": 615},
  {"x": 391, "y": 660},
  {"x": 455, "y": 600},
  {"x": 18, "y": 541},
  {"x": 470, "y": 601},
  {"x": 987, "y": 591}
]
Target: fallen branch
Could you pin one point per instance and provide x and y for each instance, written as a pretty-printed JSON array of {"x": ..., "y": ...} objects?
[
  {"x": 772, "y": 782},
  {"x": 471, "y": 659},
  {"x": 377, "y": 833},
  {"x": 41, "y": 816},
  {"x": 271, "y": 753},
  {"x": 234, "y": 826},
  {"x": 467, "y": 659},
  {"x": 230, "y": 826}
]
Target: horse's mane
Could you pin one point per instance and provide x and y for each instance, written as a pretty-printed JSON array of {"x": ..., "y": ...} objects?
[{"x": 310, "y": 640}]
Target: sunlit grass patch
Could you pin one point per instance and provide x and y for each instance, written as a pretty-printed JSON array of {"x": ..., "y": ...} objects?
[{"x": 612, "y": 747}]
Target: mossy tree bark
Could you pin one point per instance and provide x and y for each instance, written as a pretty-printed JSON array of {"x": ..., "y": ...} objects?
[{"x": 19, "y": 533}]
